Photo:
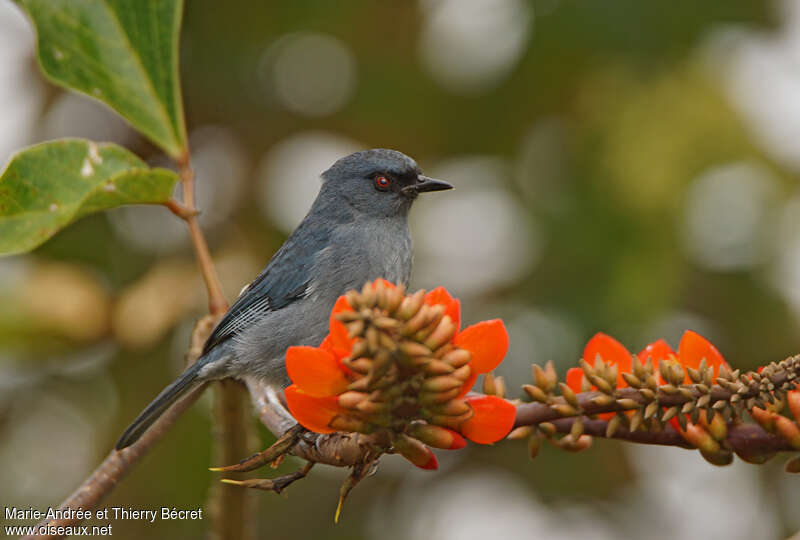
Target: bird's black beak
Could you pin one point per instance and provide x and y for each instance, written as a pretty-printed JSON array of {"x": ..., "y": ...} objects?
[{"x": 427, "y": 184}]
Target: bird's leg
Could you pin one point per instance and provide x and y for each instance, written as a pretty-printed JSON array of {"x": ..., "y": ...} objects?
[
  {"x": 272, "y": 484},
  {"x": 278, "y": 449},
  {"x": 356, "y": 475},
  {"x": 273, "y": 399}
]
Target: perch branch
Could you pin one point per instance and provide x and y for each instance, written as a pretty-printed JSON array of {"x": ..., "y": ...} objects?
[
  {"x": 230, "y": 508},
  {"x": 338, "y": 449}
]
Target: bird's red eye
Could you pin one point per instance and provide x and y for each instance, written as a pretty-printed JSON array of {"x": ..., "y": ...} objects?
[{"x": 382, "y": 183}]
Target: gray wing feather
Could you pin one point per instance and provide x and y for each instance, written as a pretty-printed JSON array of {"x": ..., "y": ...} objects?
[{"x": 286, "y": 279}]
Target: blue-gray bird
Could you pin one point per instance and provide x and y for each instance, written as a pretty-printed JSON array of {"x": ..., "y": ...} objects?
[{"x": 356, "y": 231}]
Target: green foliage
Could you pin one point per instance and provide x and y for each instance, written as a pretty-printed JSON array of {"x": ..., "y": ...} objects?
[
  {"x": 47, "y": 186},
  {"x": 121, "y": 52}
]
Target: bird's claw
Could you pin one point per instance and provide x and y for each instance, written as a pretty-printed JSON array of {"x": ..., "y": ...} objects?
[
  {"x": 272, "y": 484},
  {"x": 280, "y": 448}
]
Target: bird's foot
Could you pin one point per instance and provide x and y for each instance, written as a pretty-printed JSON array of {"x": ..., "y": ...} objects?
[
  {"x": 272, "y": 484},
  {"x": 279, "y": 449}
]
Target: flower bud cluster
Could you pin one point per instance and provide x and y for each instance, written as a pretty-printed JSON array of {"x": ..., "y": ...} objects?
[{"x": 399, "y": 365}]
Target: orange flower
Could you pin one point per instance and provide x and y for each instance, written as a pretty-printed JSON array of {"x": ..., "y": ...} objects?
[
  {"x": 492, "y": 420},
  {"x": 692, "y": 350},
  {"x": 429, "y": 363},
  {"x": 486, "y": 340},
  {"x": 610, "y": 350}
]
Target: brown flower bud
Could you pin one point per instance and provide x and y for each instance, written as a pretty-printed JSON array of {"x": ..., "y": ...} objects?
[
  {"x": 417, "y": 321},
  {"x": 350, "y": 400},
  {"x": 350, "y": 423},
  {"x": 463, "y": 373},
  {"x": 359, "y": 365},
  {"x": 535, "y": 393},
  {"x": 534, "y": 445},
  {"x": 488, "y": 385},
  {"x": 455, "y": 407},
  {"x": 449, "y": 421},
  {"x": 412, "y": 348},
  {"x": 788, "y": 430},
  {"x": 426, "y": 398},
  {"x": 442, "y": 334},
  {"x": 442, "y": 383},
  {"x": 520, "y": 433},
  {"x": 371, "y": 407},
  {"x": 457, "y": 358},
  {"x": 438, "y": 367},
  {"x": 410, "y": 305}
]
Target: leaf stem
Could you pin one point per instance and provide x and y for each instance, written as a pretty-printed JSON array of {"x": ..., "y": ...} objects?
[{"x": 188, "y": 212}]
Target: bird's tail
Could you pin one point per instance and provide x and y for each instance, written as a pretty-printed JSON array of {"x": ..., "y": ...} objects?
[{"x": 180, "y": 386}]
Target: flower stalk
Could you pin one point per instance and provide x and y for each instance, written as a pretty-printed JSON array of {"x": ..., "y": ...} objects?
[{"x": 690, "y": 399}]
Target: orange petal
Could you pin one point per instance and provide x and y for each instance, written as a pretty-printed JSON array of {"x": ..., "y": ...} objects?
[
  {"x": 315, "y": 371},
  {"x": 339, "y": 339},
  {"x": 694, "y": 348},
  {"x": 313, "y": 413},
  {"x": 608, "y": 348},
  {"x": 327, "y": 344},
  {"x": 439, "y": 295},
  {"x": 612, "y": 352},
  {"x": 468, "y": 384},
  {"x": 492, "y": 420},
  {"x": 339, "y": 354},
  {"x": 575, "y": 379},
  {"x": 793, "y": 400},
  {"x": 488, "y": 343},
  {"x": 658, "y": 350}
]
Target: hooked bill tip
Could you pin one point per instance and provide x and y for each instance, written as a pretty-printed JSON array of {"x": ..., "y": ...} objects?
[{"x": 425, "y": 183}]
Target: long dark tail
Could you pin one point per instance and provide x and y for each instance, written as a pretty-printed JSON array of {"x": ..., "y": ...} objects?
[{"x": 180, "y": 386}]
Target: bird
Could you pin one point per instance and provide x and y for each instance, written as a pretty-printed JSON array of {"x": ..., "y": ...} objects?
[{"x": 356, "y": 231}]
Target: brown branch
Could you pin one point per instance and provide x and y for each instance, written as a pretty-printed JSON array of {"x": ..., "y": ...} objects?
[
  {"x": 232, "y": 509},
  {"x": 741, "y": 438},
  {"x": 216, "y": 299},
  {"x": 535, "y": 413},
  {"x": 229, "y": 507},
  {"x": 352, "y": 449}
]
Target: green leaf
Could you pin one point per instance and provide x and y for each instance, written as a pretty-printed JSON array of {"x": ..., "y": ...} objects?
[
  {"x": 122, "y": 52},
  {"x": 48, "y": 186}
]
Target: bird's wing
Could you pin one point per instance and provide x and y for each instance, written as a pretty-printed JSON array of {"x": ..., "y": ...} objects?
[{"x": 286, "y": 279}]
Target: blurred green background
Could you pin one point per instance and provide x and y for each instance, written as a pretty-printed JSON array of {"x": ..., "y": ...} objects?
[{"x": 621, "y": 166}]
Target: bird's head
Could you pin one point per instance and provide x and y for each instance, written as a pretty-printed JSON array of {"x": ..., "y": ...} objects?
[{"x": 378, "y": 182}]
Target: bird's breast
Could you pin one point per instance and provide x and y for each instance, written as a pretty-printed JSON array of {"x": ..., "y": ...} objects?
[{"x": 369, "y": 250}]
